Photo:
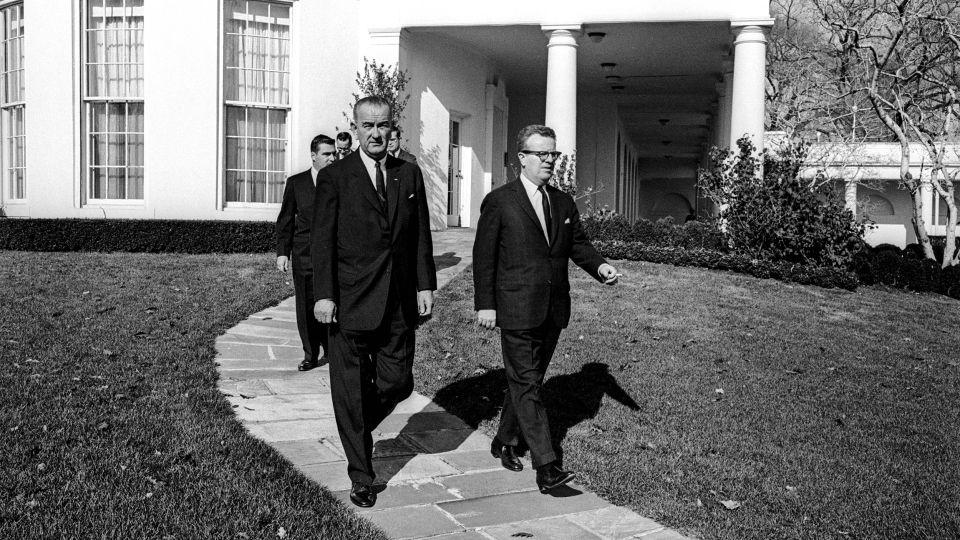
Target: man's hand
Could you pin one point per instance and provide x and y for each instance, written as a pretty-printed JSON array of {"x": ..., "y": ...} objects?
[
  {"x": 325, "y": 311},
  {"x": 487, "y": 318},
  {"x": 608, "y": 273},
  {"x": 283, "y": 262},
  {"x": 425, "y": 302}
]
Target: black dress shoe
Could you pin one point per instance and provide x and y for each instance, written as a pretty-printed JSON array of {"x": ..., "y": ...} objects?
[
  {"x": 308, "y": 364},
  {"x": 363, "y": 495},
  {"x": 551, "y": 476},
  {"x": 508, "y": 458}
]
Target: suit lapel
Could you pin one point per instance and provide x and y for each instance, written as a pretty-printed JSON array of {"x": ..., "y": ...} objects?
[
  {"x": 366, "y": 184},
  {"x": 393, "y": 187},
  {"x": 524, "y": 201},
  {"x": 555, "y": 216}
]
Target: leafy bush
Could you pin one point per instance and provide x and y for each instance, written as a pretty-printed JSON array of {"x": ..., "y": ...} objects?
[
  {"x": 822, "y": 276},
  {"x": 889, "y": 265},
  {"x": 130, "y": 235},
  {"x": 610, "y": 226},
  {"x": 777, "y": 215}
]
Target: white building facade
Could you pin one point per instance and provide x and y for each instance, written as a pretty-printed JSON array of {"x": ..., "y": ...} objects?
[{"x": 200, "y": 109}]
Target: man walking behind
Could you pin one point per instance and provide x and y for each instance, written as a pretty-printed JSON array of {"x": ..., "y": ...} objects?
[
  {"x": 373, "y": 276},
  {"x": 527, "y": 233},
  {"x": 293, "y": 242}
]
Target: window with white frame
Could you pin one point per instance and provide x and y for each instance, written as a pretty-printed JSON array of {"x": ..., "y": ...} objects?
[
  {"x": 113, "y": 99},
  {"x": 12, "y": 102},
  {"x": 256, "y": 55}
]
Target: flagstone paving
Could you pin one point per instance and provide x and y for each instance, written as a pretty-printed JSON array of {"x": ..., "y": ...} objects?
[{"x": 441, "y": 482}]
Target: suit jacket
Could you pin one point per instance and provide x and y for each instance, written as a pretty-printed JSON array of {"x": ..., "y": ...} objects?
[
  {"x": 406, "y": 156},
  {"x": 361, "y": 250},
  {"x": 515, "y": 270},
  {"x": 295, "y": 220}
]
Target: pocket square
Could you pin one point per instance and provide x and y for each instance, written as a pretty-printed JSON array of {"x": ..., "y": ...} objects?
[
  {"x": 411, "y": 195},
  {"x": 566, "y": 221}
]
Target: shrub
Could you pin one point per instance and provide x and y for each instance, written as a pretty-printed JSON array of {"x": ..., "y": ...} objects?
[
  {"x": 778, "y": 215},
  {"x": 822, "y": 276},
  {"x": 889, "y": 265},
  {"x": 130, "y": 235},
  {"x": 610, "y": 226}
]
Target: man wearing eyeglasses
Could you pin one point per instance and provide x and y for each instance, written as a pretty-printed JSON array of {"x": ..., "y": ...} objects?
[
  {"x": 344, "y": 144},
  {"x": 527, "y": 233}
]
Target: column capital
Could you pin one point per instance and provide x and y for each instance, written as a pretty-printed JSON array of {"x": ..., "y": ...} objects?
[
  {"x": 562, "y": 34},
  {"x": 389, "y": 35},
  {"x": 752, "y": 33}
]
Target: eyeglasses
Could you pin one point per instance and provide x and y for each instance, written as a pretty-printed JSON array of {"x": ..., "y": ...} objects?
[{"x": 543, "y": 155}]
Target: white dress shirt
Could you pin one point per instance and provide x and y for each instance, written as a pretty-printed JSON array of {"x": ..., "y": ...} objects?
[
  {"x": 369, "y": 163},
  {"x": 536, "y": 199},
  {"x": 313, "y": 174}
]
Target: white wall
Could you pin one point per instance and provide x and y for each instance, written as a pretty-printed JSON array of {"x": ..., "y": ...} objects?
[{"x": 447, "y": 79}]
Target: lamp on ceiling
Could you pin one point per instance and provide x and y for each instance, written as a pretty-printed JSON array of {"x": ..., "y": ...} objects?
[
  {"x": 608, "y": 66},
  {"x": 596, "y": 37},
  {"x": 613, "y": 78},
  {"x": 665, "y": 143},
  {"x": 664, "y": 121},
  {"x": 617, "y": 87}
]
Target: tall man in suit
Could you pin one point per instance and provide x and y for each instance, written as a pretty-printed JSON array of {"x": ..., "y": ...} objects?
[
  {"x": 527, "y": 233},
  {"x": 293, "y": 241},
  {"x": 373, "y": 276},
  {"x": 393, "y": 147}
]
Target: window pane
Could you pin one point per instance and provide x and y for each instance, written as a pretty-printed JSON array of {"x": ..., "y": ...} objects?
[
  {"x": 135, "y": 150},
  {"x": 98, "y": 183},
  {"x": 276, "y": 185},
  {"x": 278, "y": 124},
  {"x": 116, "y": 115},
  {"x": 234, "y": 154},
  {"x": 98, "y": 117},
  {"x": 116, "y": 183},
  {"x": 275, "y": 154},
  {"x": 116, "y": 150},
  {"x": 135, "y": 183},
  {"x": 234, "y": 189},
  {"x": 135, "y": 117},
  {"x": 256, "y": 122},
  {"x": 98, "y": 150},
  {"x": 235, "y": 121},
  {"x": 258, "y": 187}
]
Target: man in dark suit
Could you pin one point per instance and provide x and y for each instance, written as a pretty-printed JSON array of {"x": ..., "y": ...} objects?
[
  {"x": 373, "y": 276},
  {"x": 393, "y": 147},
  {"x": 527, "y": 233},
  {"x": 344, "y": 144},
  {"x": 293, "y": 241}
]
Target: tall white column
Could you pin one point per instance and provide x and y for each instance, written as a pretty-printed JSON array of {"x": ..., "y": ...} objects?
[
  {"x": 749, "y": 80},
  {"x": 727, "y": 101},
  {"x": 561, "y": 113},
  {"x": 850, "y": 196}
]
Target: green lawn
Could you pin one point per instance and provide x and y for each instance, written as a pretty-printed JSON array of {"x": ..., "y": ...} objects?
[
  {"x": 822, "y": 413},
  {"x": 112, "y": 425}
]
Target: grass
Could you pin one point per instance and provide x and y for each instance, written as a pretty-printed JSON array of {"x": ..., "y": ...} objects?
[
  {"x": 111, "y": 422},
  {"x": 822, "y": 413}
]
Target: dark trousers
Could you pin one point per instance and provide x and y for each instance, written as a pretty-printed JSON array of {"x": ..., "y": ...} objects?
[
  {"x": 526, "y": 355},
  {"x": 370, "y": 372},
  {"x": 313, "y": 334}
]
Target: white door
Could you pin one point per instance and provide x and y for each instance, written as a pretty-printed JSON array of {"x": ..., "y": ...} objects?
[{"x": 454, "y": 176}]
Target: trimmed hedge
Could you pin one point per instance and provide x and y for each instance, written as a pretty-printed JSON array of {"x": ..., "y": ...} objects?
[
  {"x": 610, "y": 226},
  {"x": 706, "y": 258},
  {"x": 889, "y": 265},
  {"x": 133, "y": 235}
]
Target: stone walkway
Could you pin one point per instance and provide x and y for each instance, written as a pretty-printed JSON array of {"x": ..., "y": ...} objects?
[{"x": 441, "y": 480}]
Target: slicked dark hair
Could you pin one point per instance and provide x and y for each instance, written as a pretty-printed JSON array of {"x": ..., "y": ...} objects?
[
  {"x": 531, "y": 130},
  {"x": 345, "y": 136},
  {"x": 397, "y": 129},
  {"x": 318, "y": 140},
  {"x": 372, "y": 101}
]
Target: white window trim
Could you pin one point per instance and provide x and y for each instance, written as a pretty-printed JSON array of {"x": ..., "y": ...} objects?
[
  {"x": 83, "y": 197},
  {"x": 221, "y": 203},
  {"x": 6, "y": 182}
]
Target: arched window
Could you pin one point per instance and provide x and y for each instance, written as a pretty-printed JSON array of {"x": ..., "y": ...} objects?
[{"x": 673, "y": 205}]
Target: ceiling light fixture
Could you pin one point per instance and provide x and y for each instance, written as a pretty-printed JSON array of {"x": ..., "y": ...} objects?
[
  {"x": 664, "y": 121},
  {"x": 665, "y": 143},
  {"x": 617, "y": 87},
  {"x": 608, "y": 66},
  {"x": 596, "y": 37},
  {"x": 613, "y": 78}
]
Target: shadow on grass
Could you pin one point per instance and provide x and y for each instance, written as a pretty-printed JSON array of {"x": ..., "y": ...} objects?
[
  {"x": 446, "y": 260},
  {"x": 569, "y": 399}
]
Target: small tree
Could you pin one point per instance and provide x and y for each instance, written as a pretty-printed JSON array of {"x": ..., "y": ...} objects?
[
  {"x": 778, "y": 215},
  {"x": 565, "y": 179},
  {"x": 381, "y": 80}
]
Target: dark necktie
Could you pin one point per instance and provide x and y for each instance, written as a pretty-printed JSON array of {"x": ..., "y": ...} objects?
[
  {"x": 547, "y": 220},
  {"x": 381, "y": 187}
]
